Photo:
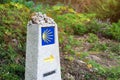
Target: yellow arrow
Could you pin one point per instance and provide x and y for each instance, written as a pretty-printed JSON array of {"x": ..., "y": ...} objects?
[{"x": 49, "y": 59}]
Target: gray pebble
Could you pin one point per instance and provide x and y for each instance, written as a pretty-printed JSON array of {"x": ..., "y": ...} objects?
[{"x": 40, "y": 18}]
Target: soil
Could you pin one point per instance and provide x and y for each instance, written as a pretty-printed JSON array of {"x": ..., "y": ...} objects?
[{"x": 77, "y": 69}]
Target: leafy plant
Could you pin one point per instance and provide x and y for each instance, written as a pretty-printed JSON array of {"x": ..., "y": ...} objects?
[
  {"x": 72, "y": 23},
  {"x": 12, "y": 64},
  {"x": 99, "y": 47},
  {"x": 12, "y": 40},
  {"x": 97, "y": 67},
  {"x": 29, "y": 4},
  {"x": 79, "y": 29},
  {"x": 13, "y": 71},
  {"x": 115, "y": 48},
  {"x": 113, "y": 31},
  {"x": 97, "y": 26},
  {"x": 92, "y": 38},
  {"x": 83, "y": 55},
  {"x": 113, "y": 73},
  {"x": 70, "y": 43},
  {"x": 109, "y": 73}
]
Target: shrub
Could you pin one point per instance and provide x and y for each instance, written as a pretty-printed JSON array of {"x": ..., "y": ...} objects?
[
  {"x": 97, "y": 26},
  {"x": 105, "y": 9},
  {"x": 113, "y": 31},
  {"x": 99, "y": 47},
  {"x": 12, "y": 64},
  {"x": 70, "y": 21},
  {"x": 105, "y": 29},
  {"x": 13, "y": 22},
  {"x": 115, "y": 48},
  {"x": 13, "y": 72},
  {"x": 79, "y": 29},
  {"x": 92, "y": 38}
]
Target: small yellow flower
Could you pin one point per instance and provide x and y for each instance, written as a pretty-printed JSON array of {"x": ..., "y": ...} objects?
[
  {"x": 88, "y": 20},
  {"x": 89, "y": 66}
]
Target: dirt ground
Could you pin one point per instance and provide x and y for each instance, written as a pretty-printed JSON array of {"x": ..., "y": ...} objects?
[{"x": 77, "y": 69}]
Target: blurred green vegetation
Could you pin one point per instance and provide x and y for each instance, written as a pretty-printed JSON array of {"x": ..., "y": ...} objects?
[{"x": 99, "y": 18}]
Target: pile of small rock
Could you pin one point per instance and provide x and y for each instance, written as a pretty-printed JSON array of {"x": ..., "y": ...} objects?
[{"x": 39, "y": 18}]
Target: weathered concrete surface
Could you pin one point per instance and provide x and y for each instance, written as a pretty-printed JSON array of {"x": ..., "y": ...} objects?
[{"x": 42, "y": 62}]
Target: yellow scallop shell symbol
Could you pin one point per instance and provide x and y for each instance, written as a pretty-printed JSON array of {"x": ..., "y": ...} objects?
[{"x": 47, "y": 36}]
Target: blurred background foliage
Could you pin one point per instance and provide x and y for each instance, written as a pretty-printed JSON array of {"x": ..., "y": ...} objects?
[{"x": 74, "y": 17}]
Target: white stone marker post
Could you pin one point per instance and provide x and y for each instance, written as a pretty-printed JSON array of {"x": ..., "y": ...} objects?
[{"x": 42, "y": 51}]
